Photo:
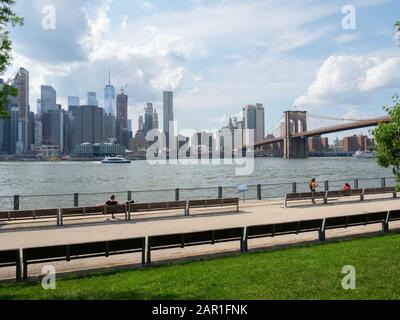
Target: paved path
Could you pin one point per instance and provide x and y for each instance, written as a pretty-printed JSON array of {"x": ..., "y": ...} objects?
[{"x": 252, "y": 213}]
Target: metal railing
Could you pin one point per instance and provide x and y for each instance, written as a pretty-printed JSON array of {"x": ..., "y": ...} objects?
[{"x": 255, "y": 192}]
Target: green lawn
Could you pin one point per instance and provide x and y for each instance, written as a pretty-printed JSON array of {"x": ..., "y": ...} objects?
[{"x": 311, "y": 272}]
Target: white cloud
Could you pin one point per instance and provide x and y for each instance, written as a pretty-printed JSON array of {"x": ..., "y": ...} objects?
[{"x": 348, "y": 79}]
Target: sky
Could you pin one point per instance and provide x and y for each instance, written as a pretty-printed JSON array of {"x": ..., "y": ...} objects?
[{"x": 216, "y": 55}]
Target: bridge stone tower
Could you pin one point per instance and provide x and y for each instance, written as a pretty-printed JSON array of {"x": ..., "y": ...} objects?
[{"x": 295, "y": 147}]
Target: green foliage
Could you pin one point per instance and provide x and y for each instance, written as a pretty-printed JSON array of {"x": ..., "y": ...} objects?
[
  {"x": 387, "y": 137},
  {"x": 7, "y": 17}
]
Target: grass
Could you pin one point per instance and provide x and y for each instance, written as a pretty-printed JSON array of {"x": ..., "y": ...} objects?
[{"x": 310, "y": 272}]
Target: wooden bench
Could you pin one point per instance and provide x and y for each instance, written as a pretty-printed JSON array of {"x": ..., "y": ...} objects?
[
  {"x": 11, "y": 258},
  {"x": 304, "y": 196},
  {"x": 81, "y": 251},
  {"x": 91, "y": 211},
  {"x": 345, "y": 193},
  {"x": 272, "y": 230},
  {"x": 384, "y": 190},
  {"x": 354, "y": 221},
  {"x": 28, "y": 214},
  {"x": 212, "y": 203},
  {"x": 326, "y": 195},
  {"x": 193, "y": 239},
  {"x": 156, "y": 206}
]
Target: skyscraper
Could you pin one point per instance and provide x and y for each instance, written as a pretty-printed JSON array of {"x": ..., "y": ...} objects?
[
  {"x": 88, "y": 125},
  {"x": 109, "y": 98},
  {"x": 92, "y": 99},
  {"x": 21, "y": 82},
  {"x": 148, "y": 118},
  {"x": 156, "y": 124},
  {"x": 122, "y": 117},
  {"x": 254, "y": 119},
  {"x": 168, "y": 108},
  {"x": 48, "y": 100},
  {"x": 140, "y": 123},
  {"x": 73, "y": 101}
]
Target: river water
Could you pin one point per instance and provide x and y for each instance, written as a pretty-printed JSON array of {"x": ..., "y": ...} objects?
[{"x": 95, "y": 181}]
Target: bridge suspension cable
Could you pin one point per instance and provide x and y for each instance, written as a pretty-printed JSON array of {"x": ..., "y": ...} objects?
[{"x": 316, "y": 116}]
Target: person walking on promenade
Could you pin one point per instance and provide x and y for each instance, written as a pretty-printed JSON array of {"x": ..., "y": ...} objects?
[{"x": 313, "y": 187}]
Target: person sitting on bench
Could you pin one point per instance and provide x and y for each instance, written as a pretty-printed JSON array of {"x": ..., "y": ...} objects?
[
  {"x": 112, "y": 201},
  {"x": 346, "y": 187}
]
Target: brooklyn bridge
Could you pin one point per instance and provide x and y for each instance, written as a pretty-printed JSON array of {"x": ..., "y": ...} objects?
[{"x": 295, "y": 134}]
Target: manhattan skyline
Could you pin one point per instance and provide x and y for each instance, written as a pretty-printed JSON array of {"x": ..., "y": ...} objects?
[{"x": 280, "y": 63}]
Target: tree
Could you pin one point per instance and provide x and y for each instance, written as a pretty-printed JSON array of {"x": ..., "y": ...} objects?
[
  {"x": 387, "y": 137},
  {"x": 7, "y": 17}
]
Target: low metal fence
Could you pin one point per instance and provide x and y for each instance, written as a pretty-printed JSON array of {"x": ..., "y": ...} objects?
[{"x": 255, "y": 192}]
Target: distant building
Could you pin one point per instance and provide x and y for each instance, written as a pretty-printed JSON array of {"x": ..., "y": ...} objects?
[
  {"x": 109, "y": 98},
  {"x": 48, "y": 100},
  {"x": 168, "y": 109},
  {"x": 73, "y": 101},
  {"x": 110, "y": 128},
  {"x": 254, "y": 119},
  {"x": 148, "y": 118},
  {"x": 140, "y": 123},
  {"x": 318, "y": 144},
  {"x": 53, "y": 129},
  {"x": 156, "y": 124},
  {"x": 38, "y": 132},
  {"x": 88, "y": 125},
  {"x": 92, "y": 99},
  {"x": 122, "y": 119},
  {"x": 98, "y": 150},
  {"x": 10, "y": 128},
  {"x": 21, "y": 82},
  {"x": 357, "y": 143}
]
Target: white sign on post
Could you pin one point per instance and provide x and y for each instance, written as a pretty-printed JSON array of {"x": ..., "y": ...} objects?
[{"x": 243, "y": 188}]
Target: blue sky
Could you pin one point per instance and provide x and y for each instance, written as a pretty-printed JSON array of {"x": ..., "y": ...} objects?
[{"x": 217, "y": 56}]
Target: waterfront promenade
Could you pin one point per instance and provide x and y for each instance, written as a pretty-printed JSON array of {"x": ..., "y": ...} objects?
[{"x": 44, "y": 233}]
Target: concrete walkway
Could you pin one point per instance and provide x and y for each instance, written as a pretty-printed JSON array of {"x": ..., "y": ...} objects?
[{"x": 252, "y": 213}]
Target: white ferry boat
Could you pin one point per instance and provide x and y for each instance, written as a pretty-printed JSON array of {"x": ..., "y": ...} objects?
[
  {"x": 115, "y": 160},
  {"x": 364, "y": 154}
]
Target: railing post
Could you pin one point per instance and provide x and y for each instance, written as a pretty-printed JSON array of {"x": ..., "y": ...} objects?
[
  {"x": 16, "y": 202},
  {"x": 76, "y": 200},
  {"x": 176, "y": 194},
  {"x": 220, "y": 193},
  {"x": 356, "y": 184},
  {"x": 259, "y": 193},
  {"x": 383, "y": 182},
  {"x": 326, "y": 185},
  {"x": 294, "y": 187},
  {"x": 129, "y": 196}
]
